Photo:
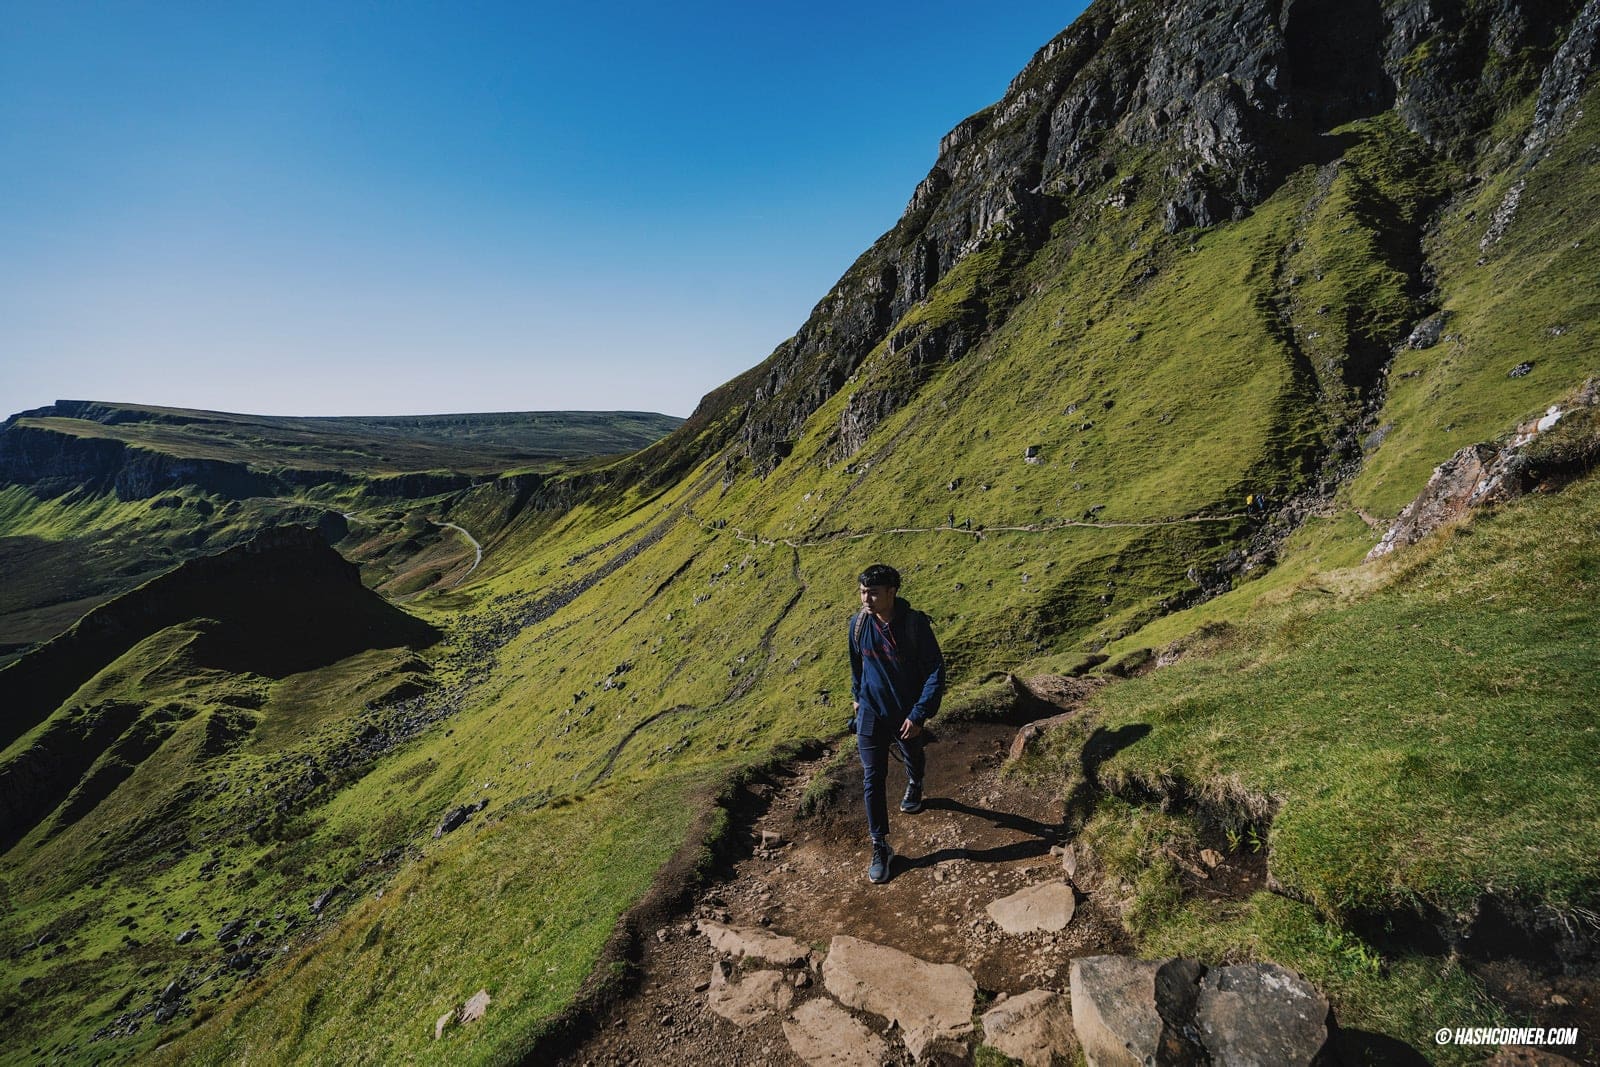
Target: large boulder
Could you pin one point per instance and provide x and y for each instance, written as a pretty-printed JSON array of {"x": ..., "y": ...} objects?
[
  {"x": 1125, "y": 1010},
  {"x": 825, "y": 1035},
  {"x": 1260, "y": 1013},
  {"x": 1033, "y": 1027},
  {"x": 929, "y": 1001},
  {"x": 1172, "y": 1013}
]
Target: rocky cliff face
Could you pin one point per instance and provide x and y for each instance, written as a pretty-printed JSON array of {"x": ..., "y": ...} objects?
[
  {"x": 1203, "y": 107},
  {"x": 53, "y": 463}
]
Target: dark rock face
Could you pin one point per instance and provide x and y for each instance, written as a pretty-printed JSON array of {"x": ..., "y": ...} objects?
[
  {"x": 1177, "y": 1012},
  {"x": 1213, "y": 104}
]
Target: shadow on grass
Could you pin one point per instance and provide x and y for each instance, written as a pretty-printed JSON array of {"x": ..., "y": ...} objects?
[{"x": 1100, "y": 746}]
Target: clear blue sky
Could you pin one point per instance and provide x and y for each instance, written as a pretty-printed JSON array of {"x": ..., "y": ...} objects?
[{"x": 385, "y": 208}]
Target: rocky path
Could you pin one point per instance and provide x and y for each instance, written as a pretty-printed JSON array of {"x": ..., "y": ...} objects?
[{"x": 707, "y": 996}]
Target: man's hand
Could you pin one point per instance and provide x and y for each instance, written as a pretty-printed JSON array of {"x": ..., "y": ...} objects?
[{"x": 908, "y": 730}]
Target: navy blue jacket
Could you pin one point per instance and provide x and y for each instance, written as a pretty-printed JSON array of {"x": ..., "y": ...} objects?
[{"x": 897, "y": 672}]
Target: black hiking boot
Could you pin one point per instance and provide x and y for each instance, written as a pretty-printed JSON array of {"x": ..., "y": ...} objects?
[
  {"x": 911, "y": 803},
  {"x": 882, "y": 857}
]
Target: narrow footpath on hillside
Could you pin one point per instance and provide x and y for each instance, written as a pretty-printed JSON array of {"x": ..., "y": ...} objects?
[
  {"x": 790, "y": 956},
  {"x": 477, "y": 549},
  {"x": 965, "y": 529}
]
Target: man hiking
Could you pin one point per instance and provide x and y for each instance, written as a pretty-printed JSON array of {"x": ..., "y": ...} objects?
[{"x": 897, "y": 680}]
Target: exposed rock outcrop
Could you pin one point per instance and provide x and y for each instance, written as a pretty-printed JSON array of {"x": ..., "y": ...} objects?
[
  {"x": 1544, "y": 451},
  {"x": 752, "y": 998}
]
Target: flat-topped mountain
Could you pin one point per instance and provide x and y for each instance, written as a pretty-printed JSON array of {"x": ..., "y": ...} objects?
[{"x": 140, "y": 450}]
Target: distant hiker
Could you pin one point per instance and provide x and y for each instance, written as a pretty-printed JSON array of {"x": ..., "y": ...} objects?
[{"x": 897, "y": 681}]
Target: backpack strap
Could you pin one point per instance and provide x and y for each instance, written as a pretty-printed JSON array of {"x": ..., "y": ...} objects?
[{"x": 915, "y": 621}]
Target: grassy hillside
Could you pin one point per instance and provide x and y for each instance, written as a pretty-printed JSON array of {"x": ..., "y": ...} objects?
[{"x": 1405, "y": 740}]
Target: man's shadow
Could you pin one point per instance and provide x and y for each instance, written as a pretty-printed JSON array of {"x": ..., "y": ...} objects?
[{"x": 1100, "y": 746}]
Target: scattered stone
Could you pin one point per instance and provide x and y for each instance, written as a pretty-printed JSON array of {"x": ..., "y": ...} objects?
[
  {"x": 230, "y": 930},
  {"x": 474, "y": 1008},
  {"x": 1521, "y": 370},
  {"x": 752, "y": 999},
  {"x": 188, "y": 935},
  {"x": 662, "y": 935},
  {"x": 456, "y": 816},
  {"x": 742, "y": 941},
  {"x": 822, "y": 1034},
  {"x": 1069, "y": 861},
  {"x": 1034, "y": 1027},
  {"x": 769, "y": 839},
  {"x": 443, "y": 1023},
  {"x": 1211, "y": 858},
  {"x": 1527, "y": 1056},
  {"x": 1046, "y": 906},
  {"x": 802, "y": 980},
  {"x": 323, "y": 898},
  {"x": 929, "y": 1001},
  {"x": 1192, "y": 869}
]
